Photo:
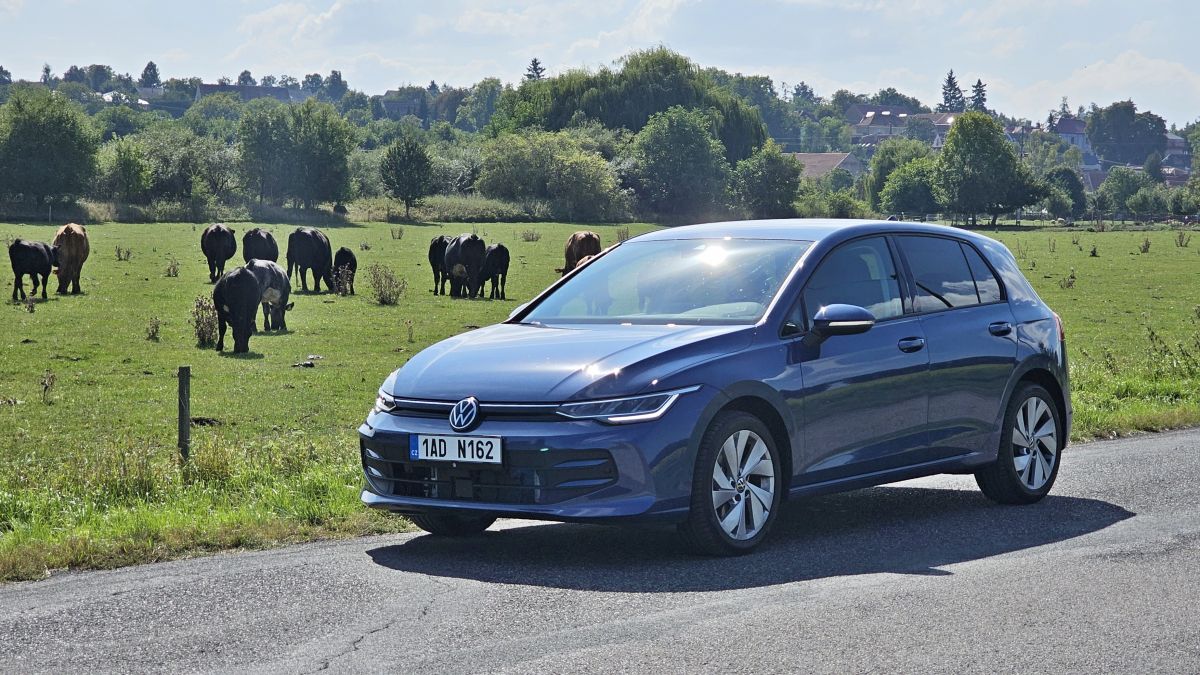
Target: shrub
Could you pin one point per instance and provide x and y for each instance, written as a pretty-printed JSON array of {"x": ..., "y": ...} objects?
[
  {"x": 766, "y": 182},
  {"x": 173, "y": 268},
  {"x": 152, "y": 329},
  {"x": 342, "y": 277},
  {"x": 385, "y": 287},
  {"x": 204, "y": 321},
  {"x": 1145, "y": 247},
  {"x": 364, "y": 246},
  {"x": 397, "y": 233},
  {"x": 531, "y": 235},
  {"x": 622, "y": 234},
  {"x": 1182, "y": 239}
]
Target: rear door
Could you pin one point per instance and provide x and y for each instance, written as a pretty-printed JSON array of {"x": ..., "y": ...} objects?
[
  {"x": 862, "y": 399},
  {"x": 971, "y": 341}
]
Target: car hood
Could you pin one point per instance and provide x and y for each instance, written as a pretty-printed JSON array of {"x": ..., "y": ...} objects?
[{"x": 523, "y": 363}]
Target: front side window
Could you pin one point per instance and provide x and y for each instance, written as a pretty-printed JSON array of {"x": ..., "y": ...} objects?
[
  {"x": 940, "y": 271},
  {"x": 684, "y": 281},
  {"x": 860, "y": 273}
]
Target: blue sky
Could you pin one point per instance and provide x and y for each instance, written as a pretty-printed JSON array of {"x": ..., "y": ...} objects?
[{"x": 1030, "y": 53}]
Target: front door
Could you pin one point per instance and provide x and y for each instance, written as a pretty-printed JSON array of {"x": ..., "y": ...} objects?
[{"x": 863, "y": 400}]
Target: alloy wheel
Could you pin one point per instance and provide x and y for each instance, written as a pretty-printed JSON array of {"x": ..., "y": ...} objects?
[
  {"x": 743, "y": 484},
  {"x": 1035, "y": 443}
]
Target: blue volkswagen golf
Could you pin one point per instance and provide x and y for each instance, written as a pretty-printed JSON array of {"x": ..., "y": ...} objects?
[{"x": 702, "y": 375}]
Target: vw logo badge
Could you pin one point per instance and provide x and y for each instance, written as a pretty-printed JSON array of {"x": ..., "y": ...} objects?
[{"x": 465, "y": 414}]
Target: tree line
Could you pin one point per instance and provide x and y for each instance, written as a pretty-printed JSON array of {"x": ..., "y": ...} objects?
[{"x": 655, "y": 136}]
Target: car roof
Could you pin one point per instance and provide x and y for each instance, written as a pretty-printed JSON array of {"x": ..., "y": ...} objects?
[{"x": 800, "y": 229}]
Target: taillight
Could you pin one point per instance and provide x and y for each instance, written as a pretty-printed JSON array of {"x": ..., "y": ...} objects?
[{"x": 1062, "y": 336}]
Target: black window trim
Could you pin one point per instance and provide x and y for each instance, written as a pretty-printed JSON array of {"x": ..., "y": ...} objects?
[
  {"x": 961, "y": 242},
  {"x": 907, "y": 299}
]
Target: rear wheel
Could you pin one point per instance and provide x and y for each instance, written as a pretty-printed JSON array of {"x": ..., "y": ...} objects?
[
  {"x": 451, "y": 525},
  {"x": 1030, "y": 444},
  {"x": 735, "y": 488}
]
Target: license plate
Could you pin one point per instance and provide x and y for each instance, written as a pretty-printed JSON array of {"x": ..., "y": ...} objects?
[{"x": 474, "y": 449}]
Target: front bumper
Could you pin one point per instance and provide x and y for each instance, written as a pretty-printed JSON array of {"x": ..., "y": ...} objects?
[{"x": 553, "y": 469}]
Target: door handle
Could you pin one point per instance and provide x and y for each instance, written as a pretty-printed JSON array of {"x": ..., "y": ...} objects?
[
  {"x": 1000, "y": 328},
  {"x": 912, "y": 344}
]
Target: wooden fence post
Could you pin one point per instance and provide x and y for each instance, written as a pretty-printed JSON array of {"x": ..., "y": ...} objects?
[{"x": 185, "y": 412}]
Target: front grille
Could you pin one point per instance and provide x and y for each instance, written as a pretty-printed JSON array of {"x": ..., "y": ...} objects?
[
  {"x": 526, "y": 477},
  {"x": 496, "y": 411}
]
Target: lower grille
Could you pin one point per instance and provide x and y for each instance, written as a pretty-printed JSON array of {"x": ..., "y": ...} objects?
[{"x": 526, "y": 477}]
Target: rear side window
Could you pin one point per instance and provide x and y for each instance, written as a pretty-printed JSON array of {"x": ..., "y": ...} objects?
[
  {"x": 985, "y": 281},
  {"x": 856, "y": 273},
  {"x": 940, "y": 270}
]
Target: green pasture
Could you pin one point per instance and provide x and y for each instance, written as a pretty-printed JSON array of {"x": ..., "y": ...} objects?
[{"x": 89, "y": 477}]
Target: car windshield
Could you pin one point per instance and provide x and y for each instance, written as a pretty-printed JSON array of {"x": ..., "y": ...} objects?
[{"x": 688, "y": 281}]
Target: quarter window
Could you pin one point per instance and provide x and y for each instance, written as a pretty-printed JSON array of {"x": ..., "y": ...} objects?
[
  {"x": 985, "y": 281},
  {"x": 860, "y": 273},
  {"x": 940, "y": 271}
]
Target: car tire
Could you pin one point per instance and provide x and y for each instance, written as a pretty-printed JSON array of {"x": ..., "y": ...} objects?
[
  {"x": 733, "y": 509},
  {"x": 451, "y": 525},
  {"x": 1027, "y": 462}
]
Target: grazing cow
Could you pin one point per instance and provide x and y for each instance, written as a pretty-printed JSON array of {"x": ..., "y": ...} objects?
[
  {"x": 495, "y": 269},
  {"x": 72, "y": 244},
  {"x": 580, "y": 244},
  {"x": 309, "y": 249},
  {"x": 219, "y": 245},
  {"x": 275, "y": 287},
  {"x": 464, "y": 259},
  {"x": 345, "y": 265},
  {"x": 33, "y": 258},
  {"x": 258, "y": 244},
  {"x": 437, "y": 260},
  {"x": 236, "y": 297}
]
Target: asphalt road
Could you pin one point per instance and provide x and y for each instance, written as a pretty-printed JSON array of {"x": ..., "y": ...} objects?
[{"x": 924, "y": 576}]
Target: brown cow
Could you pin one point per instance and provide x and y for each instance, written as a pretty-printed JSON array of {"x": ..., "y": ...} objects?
[
  {"x": 72, "y": 243},
  {"x": 579, "y": 245}
]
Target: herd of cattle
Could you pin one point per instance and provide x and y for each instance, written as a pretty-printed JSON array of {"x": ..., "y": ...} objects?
[{"x": 463, "y": 261}]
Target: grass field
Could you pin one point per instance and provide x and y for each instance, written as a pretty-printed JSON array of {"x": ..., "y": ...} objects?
[{"x": 90, "y": 477}]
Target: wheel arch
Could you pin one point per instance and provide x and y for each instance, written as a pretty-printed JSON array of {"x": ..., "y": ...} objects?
[{"x": 1046, "y": 380}]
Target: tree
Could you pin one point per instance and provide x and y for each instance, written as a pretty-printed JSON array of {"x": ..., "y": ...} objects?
[
  {"x": 334, "y": 87},
  {"x": 890, "y": 155},
  {"x": 766, "y": 182},
  {"x": 407, "y": 172},
  {"x": 921, "y": 129},
  {"x": 47, "y": 147},
  {"x": 268, "y": 81},
  {"x": 479, "y": 105},
  {"x": 1120, "y": 133},
  {"x": 952, "y": 95},
  {"x": 1044, "y": 152},
  {"x": 264, "y": 145},
  {"x": 1121, "y": 184},
  {"x": 891, "y": 97},
  {"x": 321, "y": 146},
  {"x": 978, "y": 171},
  {"x": 224, "y": 81},
  {"x": 1153, "y": 168},
  {"x": 535, "y": 71},
  {"x": 289, "y": 82},
  {"x": 433, "y": 88},
  {"x": 909, "y": 189},
  {"x": 1147, "y": 201},
  {"x": 312, "y": 83},
  {"x": 48, "y": 77},
  {"x": 245, "y": 79},
  {"x": 1057, "y": 204},
  {"x": 5, "y": 76},
  {"x": 124, "y": 171},
  {"x": 1067, "y": 180},
  {"x": 680, "y": 167},
  {"x": 149, "y": 77},
  {"x": 97, "y": 76},
  {"x": 118, "y": 120},
  {"x": 75, "y": 74},
  {"x": 978, "y": 97},
  {"x": 215, "y": 115}
]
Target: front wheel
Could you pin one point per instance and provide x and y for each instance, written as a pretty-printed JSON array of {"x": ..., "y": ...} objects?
[
  {"x": 1030, "y": 444},
  {"x": 736, "y": 487},
  {"x": 451, "y": 525}
]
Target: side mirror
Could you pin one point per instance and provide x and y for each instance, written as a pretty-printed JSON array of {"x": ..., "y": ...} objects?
[{"x": 833, "y": 320}]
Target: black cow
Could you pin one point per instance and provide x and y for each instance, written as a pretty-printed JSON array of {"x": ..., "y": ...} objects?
[
  {"x": 219, "y": 245},
  {"x": 33, "y": 258},
  {"x": 345, "y": 265},
  {"x": 275, "y": 287},
  {"x": 236, "y": 297},
  {"x": 258, "y": 244},
  {"x": 495, "y": 269},
  {"x": 464, "y": 259},
  {"x": 308, "y": 249},
  {"x": 437, "y": 260}
]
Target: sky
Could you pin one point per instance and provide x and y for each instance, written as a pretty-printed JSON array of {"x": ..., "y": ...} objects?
[{"x": 1029, "y": 53}]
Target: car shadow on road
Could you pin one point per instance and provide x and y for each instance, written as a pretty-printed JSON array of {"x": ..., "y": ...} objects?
[{"x": 901, "y": 530}]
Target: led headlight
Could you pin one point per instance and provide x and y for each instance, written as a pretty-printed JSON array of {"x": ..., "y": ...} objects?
[
  {"x": 624, "y": 410},
  {"x": 384, "y": 402}
]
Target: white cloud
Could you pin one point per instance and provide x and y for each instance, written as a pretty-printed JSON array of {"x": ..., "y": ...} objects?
[
  {"x": 11, "y": 7},
  {"x": 646, "y": 25}
]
